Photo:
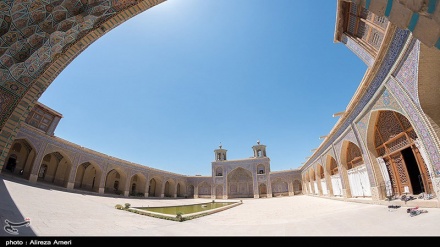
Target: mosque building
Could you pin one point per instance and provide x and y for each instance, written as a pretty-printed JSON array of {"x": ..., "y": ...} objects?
[{"x": 385, "y": 144}]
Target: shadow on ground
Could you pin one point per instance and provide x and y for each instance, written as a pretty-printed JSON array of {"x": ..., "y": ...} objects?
[{"x": 12, "y": 221}]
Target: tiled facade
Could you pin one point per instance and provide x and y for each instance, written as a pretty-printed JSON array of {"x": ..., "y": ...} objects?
[{"x": 398, "y": 142}]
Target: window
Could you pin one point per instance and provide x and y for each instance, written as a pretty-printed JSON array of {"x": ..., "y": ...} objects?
[
  {"x": 375, "y": 39},
  {"x": 39, "y": 118}
]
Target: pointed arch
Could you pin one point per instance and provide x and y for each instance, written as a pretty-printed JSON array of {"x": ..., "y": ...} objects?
[
  {"x": 115, "y": 181},
  {"x": 204, "y": 189},
  {"x": 322, "y": 180},
  {"x": 88, "y": 176},
  {"x": 399, "y": 164},
  {"x": 335, "y": 185},
  {"x": 240, "y": 183},
  {"x": 169, "y": 189},
  {"x": 55, "y": 169},
  {"x": 20, "y": 158},
  {"x": 154, "y": 187},
  {"x": 354, "y": 170},
  {"x": 280, "y": 187},
  {"x": 138, "y": 184}
]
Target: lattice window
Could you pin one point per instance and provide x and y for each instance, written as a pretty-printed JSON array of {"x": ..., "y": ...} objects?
[
  {"x": 354, "y": 156},
  {"x": 391, "y": 126},
  {"x": 398, "y": 161},
  {"x": 391, "y": 173},
  {"x": 377, "y": 138},
  {"x": 381, "y": 21},
  {"x": 388, "y": 125},
  {"x": 398, "y": 143},
  {"x": 352, "y": 25},
  {"x": 362, "y": 31},
  {"x": 376, "y": 39},
  {"x": 403, "y": 121},
  {"x": 353, "y": 8},
  {"x": 364, "y": 13},
  {"x": 366, "y": 26}
]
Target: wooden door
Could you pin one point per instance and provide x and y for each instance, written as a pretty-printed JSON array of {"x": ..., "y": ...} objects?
[{"x": 401, "y": 172}]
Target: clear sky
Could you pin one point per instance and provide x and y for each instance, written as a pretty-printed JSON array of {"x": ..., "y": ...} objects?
[{"x": 166, "y": 87}]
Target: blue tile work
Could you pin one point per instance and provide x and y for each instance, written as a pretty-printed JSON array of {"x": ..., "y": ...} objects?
[
  {"x": 78, "y": 156},
  {"x": 386, "y": 101},
  {"x": 338, "y": 148},
  {"x": 407, "y": 72},
  {"x": 396, "y": 46},
  {"x": 33, "y": 140},
  {"x": 365, "y": 155},
  {"x": 330, "y": 152},
  {"x": 358, "y": 50},
  {"x": 415, "y": 117},
  {"x": 350, "y": 136},
  {"x": 7, "y": 103},
  {"x": 362, "y": 125}
]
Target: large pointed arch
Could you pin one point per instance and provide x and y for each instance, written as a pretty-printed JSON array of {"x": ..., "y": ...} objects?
[
  {"x": 170, "y": 188},
  {"x": 155, "y": 187},
  {"x": 354, "y": 171},
  {"x": 280, "y": 187},
  {"x": 335, "y": 184},
  {"x": 204, "y": 189},
  {"x": 55, "y": 168},
  {"x": 138, "y": 185},
  {"x": 400, "y": 167},
  {"x": 88, "y": 176},
  {"x": 20, "y": 158},
  {"x": 322, "y": 183},
  {"x": 240, "y": 183},
  {"x": 115, "y": 181}
]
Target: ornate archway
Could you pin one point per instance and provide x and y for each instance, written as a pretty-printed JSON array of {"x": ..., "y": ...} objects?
[
  {"x": 240, "y": 183},
  {"x": 402, "y": 166}
]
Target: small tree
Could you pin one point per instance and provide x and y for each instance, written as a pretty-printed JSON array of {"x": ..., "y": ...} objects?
[{"x": 127, "y": 205}]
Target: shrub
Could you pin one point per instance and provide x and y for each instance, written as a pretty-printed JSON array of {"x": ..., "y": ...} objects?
[
  {"x": 127, "y": 205},
  {"x": 118, "y": 206},
  {"x": 179, "y": 216}
]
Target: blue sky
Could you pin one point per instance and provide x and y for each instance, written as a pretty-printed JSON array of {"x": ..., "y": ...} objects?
[{"x": 166, "y": 87}]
